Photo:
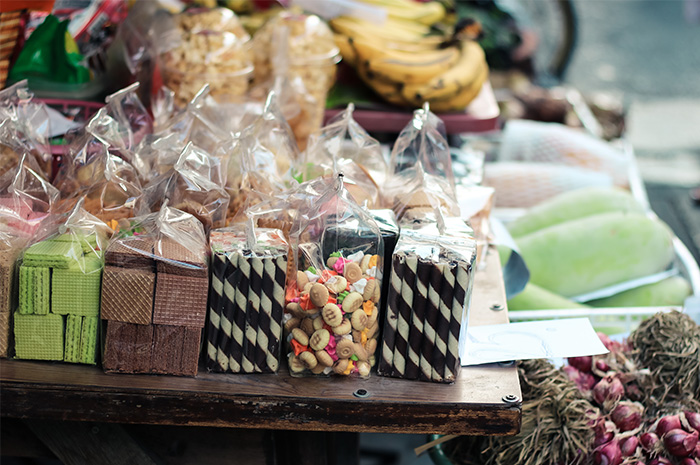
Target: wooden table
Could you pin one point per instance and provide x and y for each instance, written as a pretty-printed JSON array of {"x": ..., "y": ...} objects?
[{"x": 483, "y": 401}]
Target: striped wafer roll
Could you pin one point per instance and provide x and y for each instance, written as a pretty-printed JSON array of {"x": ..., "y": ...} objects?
[
  {"x": 241, "y": 283},
  {"x": 278, "y": 308},
  {"x": 408, "y": 281},
  {"x": 265, "y": 315},
  {"x": 386, "y": 360},
  {"x": 460, "y": 294},
  {"x": 252, "y": 315},
  {"x": 227, "y": 315},
  {"x": 421, "y": 271},
  {"x": 216, "y": 291},
  {"x": 433, "y": 307},
  {"x": 442, "y": 325}
]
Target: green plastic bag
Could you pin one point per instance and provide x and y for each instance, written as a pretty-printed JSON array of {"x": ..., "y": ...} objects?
[{"x": 50, "y": 54}]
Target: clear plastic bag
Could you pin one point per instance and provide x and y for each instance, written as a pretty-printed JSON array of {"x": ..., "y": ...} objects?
[
  {"x": 59, "y": 292},
  {"x": 154, "y": 294},
  {"x": 432, "y": 273},
  {"x": 246, "y": 299},
  {"x": 194, "y": 185},
  {"x": 420, "y": 168},
  {"x": 343, "y": 146},
  {"x": 333, "y": 293}
]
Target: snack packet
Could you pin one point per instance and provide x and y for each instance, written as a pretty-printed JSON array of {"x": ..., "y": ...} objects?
[
  {"x": 246, "y": 299},
  {"x": 59, "y": 292},
  {"x": 333, "y": 293},
  {"x": 154, "y": 294}
]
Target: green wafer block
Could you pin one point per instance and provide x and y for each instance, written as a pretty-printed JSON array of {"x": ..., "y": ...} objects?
[
  {"x": 38, "y": 337},
  {"x": 53, "y": 254},
  {"x": 26, "y": 290},
  {"x": 76, "y": 293},
  {"x": 87, "y": 243},
  {"x": 41, "y": 289},
  {"x": 88, "y": 340},
  {"x": 73, "y": 331}
]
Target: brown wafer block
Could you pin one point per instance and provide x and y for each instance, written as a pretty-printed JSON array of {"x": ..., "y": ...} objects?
[
  {"x": 127, "y": 295},
  {"x": 131, "y": 252},
  {"x": 167, "y": 349},
  {"x": 8, "y": 282},
  {"x": 190, "y": 351},
  {"x": 5, "y": 334},
  {"x": 174, "y": 258},
  {"x": 128, "y": 348},
  {"x": 180, "y": 300}
]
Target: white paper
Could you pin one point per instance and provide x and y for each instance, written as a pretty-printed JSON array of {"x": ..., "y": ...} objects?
[
  {"x": 572, "y": 337},
  {"x": 59, "y": 124}
]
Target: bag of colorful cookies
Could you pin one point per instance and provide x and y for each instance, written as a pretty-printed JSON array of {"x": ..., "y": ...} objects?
[
  {"x": 420, "y": 168},
  {"x": 246, "y": 299},
  {"x": 154, "y": 294},
  {"x": 194, "y": 185},
  {"x": 59, "y": 291},
  {"x": 343, "y": 146},
  {"x": 334, "y": 289}
]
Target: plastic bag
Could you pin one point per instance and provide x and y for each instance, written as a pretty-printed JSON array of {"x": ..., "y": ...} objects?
[
  {"x": 194, "y": 185},
  {"x": 59, "y": 292},
  {"x": 333, "y": 293},
  {"x": 343, "y": 146},
  {"x": 421, "y": 167},
  {"x": 154, "y": 294},
  {"x": 246, "y": 299},
  {"x": 133, "y": 120},
  {"x": 432, "y": 273}
]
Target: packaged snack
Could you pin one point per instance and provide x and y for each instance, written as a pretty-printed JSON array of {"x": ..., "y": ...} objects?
[
  {"x": 154, "y": 294},
  {"x": 343, "y": 146},
  {"x": 194, "y": 185},
  {"x": 246, "y": 299},
  {"x": 213, "y": 49},
  {"x": 333, "y": 293},
  {"x": 300, "y": 47},
  {"x": 133, "y": 121},
  {"x": 420, "y": 168},
  {"x": 431, "y": 278},
  {"x": 59, "y": 292}
]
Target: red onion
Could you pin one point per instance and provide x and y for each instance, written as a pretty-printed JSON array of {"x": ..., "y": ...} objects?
[
  {"x": 693, "y": 419},
  {"x": 680, "y": 443},
  {"x": 628, "y": 446},
  {"x": 666, "y": 424},
  {"x": 688, "y": 461},
  {"x": 608, "y": 389},
  {"x": 604, "y": 432},
  {"x": 633, "y": 392},
  {"x": 602, "y": 365},
  {"x": 581, "y": 363},
  {"x": 607, "y": 342},
  {"x": 584, "y": 381},
  {"x": 608, "y": 454},
  {"x": 648, "y": 441},
  {"x": 660, "y": 461},
  {"x": 627, "y": 415}
]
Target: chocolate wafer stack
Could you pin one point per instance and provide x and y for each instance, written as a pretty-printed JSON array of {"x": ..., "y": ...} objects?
[
  {"x": 154, "y": 301},
  {"x": 246, "y": 301},
  {"x": 8, "y": 295},
  {"x": 427, "y": 302}
]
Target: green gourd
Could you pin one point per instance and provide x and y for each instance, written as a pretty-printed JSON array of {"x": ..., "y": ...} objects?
[
  {"x": 665, "y": 293},
  {"x": 533, "y": 297}
]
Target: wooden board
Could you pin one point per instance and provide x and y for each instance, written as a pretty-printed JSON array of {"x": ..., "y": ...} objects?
[{"x": 472, "y": 405}]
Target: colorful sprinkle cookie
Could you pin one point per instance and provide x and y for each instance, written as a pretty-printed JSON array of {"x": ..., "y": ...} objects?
[{"x": 331, "y": 316}]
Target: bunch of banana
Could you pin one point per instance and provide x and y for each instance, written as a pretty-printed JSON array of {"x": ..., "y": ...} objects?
[{"x": 428, "y": 13}]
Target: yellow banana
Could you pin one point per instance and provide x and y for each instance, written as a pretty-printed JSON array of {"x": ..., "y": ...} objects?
[
  {"x": 346, "y": 50},
  {"x": 423, "y": 13},
  {"x": 465, "y": 96},
  {"x": 449, "y": 83},
  {"x": 387, "y": 90},
  {"x": 353, "y": 27}
]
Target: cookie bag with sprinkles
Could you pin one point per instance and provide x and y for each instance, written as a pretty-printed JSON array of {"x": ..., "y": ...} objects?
[{"x": 333, "y": 292}]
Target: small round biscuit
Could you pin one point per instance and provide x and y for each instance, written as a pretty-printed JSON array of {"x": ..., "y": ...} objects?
[
  {"x": 369, "y": 289},
  {"x": 319, "y": 339},
  {"x": 345, "y": 348},
  {"x": 331, "y": 261},
  {"x": 372, "y": 360},
  {"x": 291, "y": 323},
  {"x": 373, "y": 330},
  {"x": 338, "y": 285},
  {"x": 308, "y": 286},
  {"x": 364, "y": 263},
  {"x": 343, "y": 328},
  {"x": 352, "y": 302},
  {"x": 295, "y": 309},
  {"x": 371, "y": 346},
  {"x": 318, "y": 295},
  {"x": 377, "y": 294},
  {"x": 307, "y": 325},
  {"x": 340, "y": 365},
  {"x": 295, "y": 365},
  {"x": 359, "y": 320},
  {"x": 363, "y": 368},
  {"x": 324, "y": 358},
  {"x": 318, "y": 323},
  {"x": 352, "y": 272},
  {"x": 332, "y": 315},
  {"x": 318, "y": 369},
  {"x": 360, "y": 351},
  {"x": 308, "y": 359},
  {"x": 357, "y": 336},
  {"x": 372, "y": 318},
  {"x": 300, "y": 336},
  {"x": 302, "y": 280}
]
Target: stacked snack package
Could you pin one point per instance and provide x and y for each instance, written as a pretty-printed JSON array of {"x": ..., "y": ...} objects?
[
  {"x": 213, "y": 48},
  {"x": 343, "y": 146},
  {"x": 333, "y": 293},
  {"x": 246, "y": 299},
  {"x": 11, "y": 245},
  {"x": 194, "y": 185},
  {"x": 24, "y": 129},
  {"x": 59, "y": 292},
  {"x": 310, "y": 63},
  {"x": 154, "y": 294}
]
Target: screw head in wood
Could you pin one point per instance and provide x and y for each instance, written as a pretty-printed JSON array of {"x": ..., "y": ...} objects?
[
  {"x": 496, "y": 307},
  {"x": 361, "y": 393},
  {"x": 510, "y": 399}
]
